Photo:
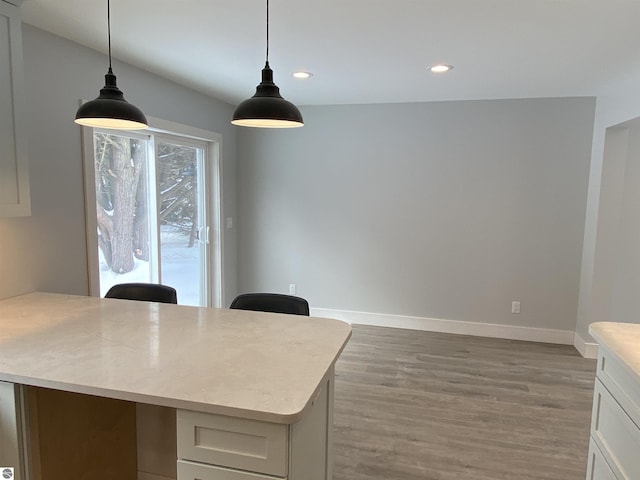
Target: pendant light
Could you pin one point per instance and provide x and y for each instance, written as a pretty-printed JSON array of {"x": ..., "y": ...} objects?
[
  {"x": 267, "y": 108},
  {"x": 110, "y": 109}
]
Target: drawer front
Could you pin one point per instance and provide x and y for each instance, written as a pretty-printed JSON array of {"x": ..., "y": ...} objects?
[
  {"x": 597, "y": 469},
  {"x": 620, "y": 382},
  {"x": 617, "y": 436},
  {"x": 198, "y": 471},
  {"x": 252, "y": 445}
]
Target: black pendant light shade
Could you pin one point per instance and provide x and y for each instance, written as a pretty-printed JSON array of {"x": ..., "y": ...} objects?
[
  {"x": 267, "y": 108},
  {"x": 110, "y": 109}
]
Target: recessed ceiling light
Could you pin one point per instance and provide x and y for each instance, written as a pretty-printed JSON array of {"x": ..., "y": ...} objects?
[
  {"x": 302, "y": 74},
  {"x": 440, "y": 68}
]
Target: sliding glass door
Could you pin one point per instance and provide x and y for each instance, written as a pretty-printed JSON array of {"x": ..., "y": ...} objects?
[{"x": 151, "y": 212}]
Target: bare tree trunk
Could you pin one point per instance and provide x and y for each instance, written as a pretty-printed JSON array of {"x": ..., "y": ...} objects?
[
  {"x": 127, "y": 162},
  {"x": 141, "y": 220},
  {"x": 105, "y": 225},
  {"x": 105, "y": 228}
]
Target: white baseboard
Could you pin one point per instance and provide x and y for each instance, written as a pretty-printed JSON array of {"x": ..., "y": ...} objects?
[
  {"x": 586, "y": 349},
  {"x": 511, "y": 332}
]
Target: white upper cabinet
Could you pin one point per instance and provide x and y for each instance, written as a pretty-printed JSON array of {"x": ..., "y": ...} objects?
[{"x": 14, "y": 170}]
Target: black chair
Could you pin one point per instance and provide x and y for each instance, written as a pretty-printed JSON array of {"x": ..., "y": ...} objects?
[
  {"x": 271, "y": 302},
  {"x": 145, "y": 292}
]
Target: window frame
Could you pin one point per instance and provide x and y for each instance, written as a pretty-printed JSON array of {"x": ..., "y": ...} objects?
[{"x": 164, "y": 129}]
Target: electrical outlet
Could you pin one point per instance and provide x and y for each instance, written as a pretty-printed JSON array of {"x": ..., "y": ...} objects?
[
  {"x": 515, "y": 307},
  {"x": 292, "y": 289}
]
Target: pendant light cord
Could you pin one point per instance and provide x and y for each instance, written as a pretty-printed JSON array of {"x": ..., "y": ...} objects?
[
  {"x": 109, "y": 30},
  {"x": 267, "y": 32}
]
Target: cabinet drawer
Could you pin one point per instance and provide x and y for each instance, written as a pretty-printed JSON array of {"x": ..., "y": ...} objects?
[
  {"x": 597, "y": 469},
  {"x": 198, "y": 471},
  {"x": 252, "y": 445},
  {"x": 622, "y": 384},
  {"x": 616, "y": 435}
]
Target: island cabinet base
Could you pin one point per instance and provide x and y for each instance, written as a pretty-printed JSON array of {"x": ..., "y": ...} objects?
[
  {"x": 118, "y": 391},
  {"x": 216, "y": 447},
  {"x": 84, "y": 437}
]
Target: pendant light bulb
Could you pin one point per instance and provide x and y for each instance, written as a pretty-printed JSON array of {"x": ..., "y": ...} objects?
[
  {"x": 110, "y": 109},
  {"x": 267, "y": 108}
]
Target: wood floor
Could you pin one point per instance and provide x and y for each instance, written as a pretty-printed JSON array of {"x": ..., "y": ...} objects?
[{"x": 418, "y": 405}]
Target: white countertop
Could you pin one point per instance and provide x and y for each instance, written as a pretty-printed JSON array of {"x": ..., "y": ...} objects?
[
  {"x": 233, "y": 362},
  {"x": 622, "y": 339}
]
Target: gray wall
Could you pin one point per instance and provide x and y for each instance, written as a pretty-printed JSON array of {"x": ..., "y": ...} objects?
[
  {"x": 444, "y": 210},
  {"x": 609, "y": 257},
  {"x": 626, "y": 281},
  {"x": 47, "y": 251}
]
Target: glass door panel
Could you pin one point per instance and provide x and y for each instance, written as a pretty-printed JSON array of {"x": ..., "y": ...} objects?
[
  {"x": 183, "y": 231},
  {"x": 124, "y": 213}
]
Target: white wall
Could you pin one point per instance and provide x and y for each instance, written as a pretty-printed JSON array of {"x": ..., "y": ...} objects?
[
  {"x": 625, "y": 302},
  {"x": 47, "y": 251},
  {"x": 445, "y": 210},
  {"x": 609, "y": 267}
]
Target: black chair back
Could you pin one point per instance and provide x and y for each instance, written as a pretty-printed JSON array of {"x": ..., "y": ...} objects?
[
  {"x": 271, "y": 302},
  {"x": 145, "y": 292}
]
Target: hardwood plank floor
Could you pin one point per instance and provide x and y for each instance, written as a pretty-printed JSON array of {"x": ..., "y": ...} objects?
[{"x": 415, "y": 405}]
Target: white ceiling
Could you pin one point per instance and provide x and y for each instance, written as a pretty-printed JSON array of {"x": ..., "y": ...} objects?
[{"x": 364, "y": 51}]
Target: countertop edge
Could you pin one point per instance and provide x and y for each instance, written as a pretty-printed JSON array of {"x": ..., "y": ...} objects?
[{"x": 273, "y": 417}]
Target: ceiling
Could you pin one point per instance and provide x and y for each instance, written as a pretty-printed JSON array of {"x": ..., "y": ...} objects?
[{"x": 364, "y": 51}]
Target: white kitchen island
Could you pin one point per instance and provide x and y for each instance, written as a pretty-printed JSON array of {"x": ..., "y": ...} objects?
[{"x": 252, "y": 392}]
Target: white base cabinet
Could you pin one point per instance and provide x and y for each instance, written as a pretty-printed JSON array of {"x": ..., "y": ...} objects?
[
  {"x": 218, "y": 447},
  {"x": 614, "y": 451},
  {"x": 598, "y": 468},
  {"x": 199, "y": 471}
]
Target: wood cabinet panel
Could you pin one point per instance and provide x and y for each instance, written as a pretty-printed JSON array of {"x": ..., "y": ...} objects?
[{"x": 82, "y": 437}]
